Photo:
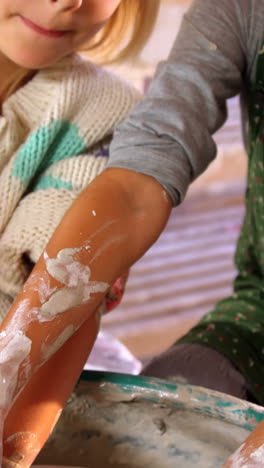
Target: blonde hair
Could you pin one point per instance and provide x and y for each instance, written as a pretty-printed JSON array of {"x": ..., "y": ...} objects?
[
  {"x": 122, "y": 37},
  {"x": 126, "y": 32}
]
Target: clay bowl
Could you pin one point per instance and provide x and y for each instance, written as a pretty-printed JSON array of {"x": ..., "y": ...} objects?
[{"x": 123, "y": 421}]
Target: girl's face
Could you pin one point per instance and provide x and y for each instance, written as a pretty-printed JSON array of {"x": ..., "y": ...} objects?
[{"x": 36, "y": 33}]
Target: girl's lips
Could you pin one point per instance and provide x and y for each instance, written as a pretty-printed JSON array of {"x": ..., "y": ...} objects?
[{"x": 43, "y": 31}]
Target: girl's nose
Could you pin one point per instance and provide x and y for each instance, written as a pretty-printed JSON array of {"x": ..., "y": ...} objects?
[{"x": 68, "y": 4}]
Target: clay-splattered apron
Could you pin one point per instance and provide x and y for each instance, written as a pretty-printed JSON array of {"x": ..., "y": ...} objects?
[{"x": 235, "y": 327}]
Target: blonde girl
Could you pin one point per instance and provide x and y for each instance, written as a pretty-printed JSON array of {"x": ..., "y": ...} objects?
[{"x": 58, "y": 113}]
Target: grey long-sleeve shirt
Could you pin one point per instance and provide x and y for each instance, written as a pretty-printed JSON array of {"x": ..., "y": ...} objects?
[{"x": 169, "y": 134}]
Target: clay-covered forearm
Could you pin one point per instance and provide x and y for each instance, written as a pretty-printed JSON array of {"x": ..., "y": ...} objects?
[
  {"x": 251, "y": 452},
  {"x": 32, "y": 417},
  {"x": 107, "y": 228}
]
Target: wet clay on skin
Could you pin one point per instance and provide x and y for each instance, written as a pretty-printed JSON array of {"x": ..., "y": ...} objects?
[{"x": 16, "y": 346}]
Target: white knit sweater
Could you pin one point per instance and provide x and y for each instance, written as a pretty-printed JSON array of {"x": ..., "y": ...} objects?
[{"x": 54, "y": 135}]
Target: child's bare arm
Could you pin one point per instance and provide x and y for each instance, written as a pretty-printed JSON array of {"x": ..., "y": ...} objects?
[{"x": 107, "y": 229}]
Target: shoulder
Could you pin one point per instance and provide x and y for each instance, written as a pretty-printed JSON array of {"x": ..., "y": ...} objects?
[
  {"x": 90, "y": 95},
  {"x": 75, "y": 91},
  {"x": 219, "y": 24},
  {"x": 87, "y": 80}
]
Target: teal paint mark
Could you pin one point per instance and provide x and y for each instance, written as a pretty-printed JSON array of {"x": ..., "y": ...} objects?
[
  {"x": 249, "y": 427},
  {"x": 57, "y": 141},
  {"x": 202, "y": 397},
  {"x": 223, "y": 404},
  {"x": 258, "y": 417},
  {"x": 207, "y": 410}
]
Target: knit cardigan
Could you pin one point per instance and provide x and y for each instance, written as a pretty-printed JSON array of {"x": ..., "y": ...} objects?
[{"x": 54, "y": 134}]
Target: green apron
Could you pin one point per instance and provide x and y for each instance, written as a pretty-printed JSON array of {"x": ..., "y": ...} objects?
[{"x": 235, "y": 327}]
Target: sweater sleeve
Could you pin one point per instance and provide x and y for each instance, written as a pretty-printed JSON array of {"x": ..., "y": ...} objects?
[{"x": 169, "y": 134}]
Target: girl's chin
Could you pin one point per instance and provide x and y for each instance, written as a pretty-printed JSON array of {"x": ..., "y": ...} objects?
[
  {"x": 35, "y": 64},
  {"x": 35, "y": 61}
]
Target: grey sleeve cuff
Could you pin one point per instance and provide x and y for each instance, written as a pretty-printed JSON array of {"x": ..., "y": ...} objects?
[{"x": 152, "y": 167}]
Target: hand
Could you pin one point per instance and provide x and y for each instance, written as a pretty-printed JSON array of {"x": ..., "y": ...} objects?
[{"x": 251, "y": 453}]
